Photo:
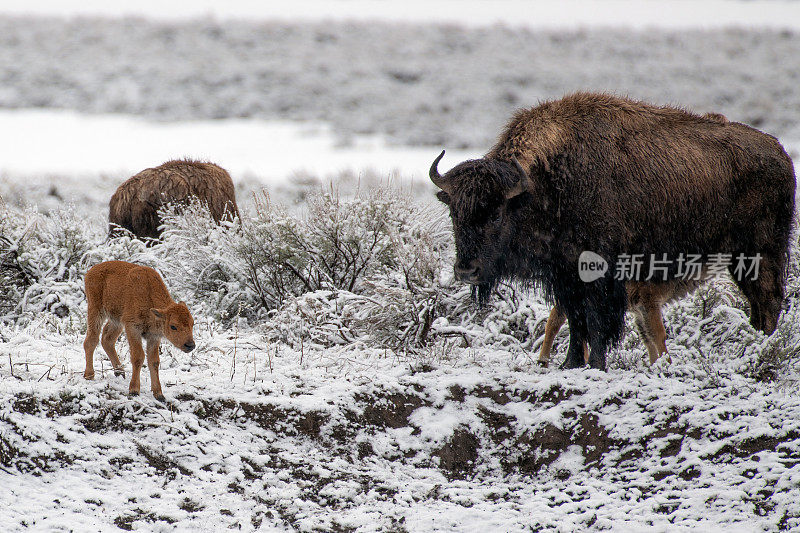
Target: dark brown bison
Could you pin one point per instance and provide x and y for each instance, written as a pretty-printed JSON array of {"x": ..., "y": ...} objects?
[
  {"x": 644, "y": 299},
  {"x": 622, "y": 179},
  {"x": 135, "y": 204}
]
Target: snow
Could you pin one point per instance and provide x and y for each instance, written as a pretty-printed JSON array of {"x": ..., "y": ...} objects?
[
  {"x": 263, "y": 431},
  {"x": 79, "y": 144},
  {"x": 260, "y": 432},
  {"x": 418, "y": 85},
  {"x": 241, "y": 464},
  {"x": 561, "y": 14}
]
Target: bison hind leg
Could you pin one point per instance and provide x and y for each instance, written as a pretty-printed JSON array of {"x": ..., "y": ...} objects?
[
  {"x": 111, "y": 333},
  {"x": 764, "y": 291},
  {"x": 94, "y": 322},
  {"x": 554, "y": 322}
]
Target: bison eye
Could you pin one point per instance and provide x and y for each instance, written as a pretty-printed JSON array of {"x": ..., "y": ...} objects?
[
  {"x": 497, "y": 217},
  {"x": 173, "y": 327}
]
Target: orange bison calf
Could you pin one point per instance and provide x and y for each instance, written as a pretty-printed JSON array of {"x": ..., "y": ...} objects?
[{"x": 133, "y": 298}]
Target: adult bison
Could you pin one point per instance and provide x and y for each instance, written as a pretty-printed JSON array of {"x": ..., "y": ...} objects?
[
  {"x": 622, "y": 179},
  {"x": 135, "y": 204}
]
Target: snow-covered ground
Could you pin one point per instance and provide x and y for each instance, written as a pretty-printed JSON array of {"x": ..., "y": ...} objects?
[
  {"x": 275, "y": 422},
  {"x": 48, "y": 142},
  {"x": 324, "y": 444},
  {"x": 268, "y": 428},
  {"x": 561, "y": 14},
  {"x": 421, "y": 85}
]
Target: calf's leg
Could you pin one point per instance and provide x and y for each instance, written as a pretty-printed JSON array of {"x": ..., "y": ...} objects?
[
  {"x": 153, "y": 362},
  {"x": 137, "y": 359},
  {"x": 111, "y": 333},
  {"x": 93, "y": 323}
]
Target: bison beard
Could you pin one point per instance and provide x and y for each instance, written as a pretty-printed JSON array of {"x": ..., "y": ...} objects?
[{"x": 594, "y": 172}]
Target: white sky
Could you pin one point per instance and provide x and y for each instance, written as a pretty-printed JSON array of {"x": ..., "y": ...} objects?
[{"x": 530, "y": 13}]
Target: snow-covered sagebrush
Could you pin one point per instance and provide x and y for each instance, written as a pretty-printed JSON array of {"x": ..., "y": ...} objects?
[{"x": 370, "y": 270}]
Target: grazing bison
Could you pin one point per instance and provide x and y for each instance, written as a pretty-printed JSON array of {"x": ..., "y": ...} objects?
[
  {"x": 635, "y": 184},
  {"x": 133, "y": 298},
  {"x": 135, "y": 204}
]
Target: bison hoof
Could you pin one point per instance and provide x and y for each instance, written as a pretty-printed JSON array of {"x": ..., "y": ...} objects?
[
  {"x": 543, "y": 364},
  {"x": 119, "y": 372},
  {"x": 160, "y": 397},
  {"x": 573, "y": 364},
  {"x": 133, "y": 393}
]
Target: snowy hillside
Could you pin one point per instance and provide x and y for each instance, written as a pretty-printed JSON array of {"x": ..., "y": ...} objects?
[
  {"x": 342, "y": 380},
  {"x": 395, "y": 405},
  {"x": 471, "y": 445}
]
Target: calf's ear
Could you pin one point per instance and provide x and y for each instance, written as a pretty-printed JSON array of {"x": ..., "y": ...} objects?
[{"x": 157, "y": 313}]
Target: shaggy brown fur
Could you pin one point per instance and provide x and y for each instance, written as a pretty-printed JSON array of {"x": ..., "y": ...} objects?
[
  {"x": 135, "y": 204},
  {"x": 133, "y": 298},
  {"x": 594, "y": 172}
]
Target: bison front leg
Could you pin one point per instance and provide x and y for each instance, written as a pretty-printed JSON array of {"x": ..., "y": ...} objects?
[
  {"x": 605, "y": 318},
  {"x": 570, "y": 296},
  {"x": 137, "y": 359},
  {"x": 577, "y": 341},
  {"x": 153, "y": 362}
]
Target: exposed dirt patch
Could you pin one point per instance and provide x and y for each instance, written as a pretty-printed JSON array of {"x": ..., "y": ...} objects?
[
  {"x": 750, "y": 447},
  {"x": 191, "y": 506},
  {"x": 64, "y": 405},
  {"x": 127, "y": 521},
  {"x": 499, "y": 396},
  {"x": 390, "y": 410},
  {"x": 458, "y": 456},
  {"x": 109, "y": 418},
  {"x": 556, "y": 394},
  {"x": 163, "y": 464},
  {"x": 500, "y": 425}
]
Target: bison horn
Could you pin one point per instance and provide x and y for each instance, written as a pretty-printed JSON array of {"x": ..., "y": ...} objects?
[
  {"x": 524, "y": 183},
  {"x": 436, "y": 178}
]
